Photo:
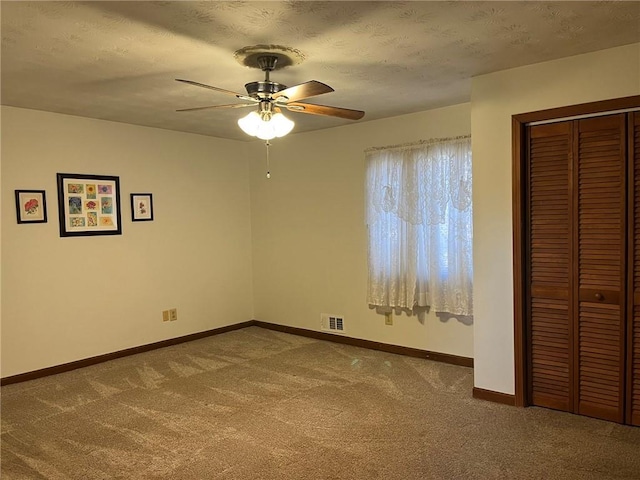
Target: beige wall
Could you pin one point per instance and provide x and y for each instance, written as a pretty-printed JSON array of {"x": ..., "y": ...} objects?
[
  {"x": 309, "y": 235},
  {"x": 495, "y": 98},
  {"x": 65, "y": 299}
]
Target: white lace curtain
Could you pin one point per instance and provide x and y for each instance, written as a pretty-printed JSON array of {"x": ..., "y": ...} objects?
[{"x": 419, "y": 217}]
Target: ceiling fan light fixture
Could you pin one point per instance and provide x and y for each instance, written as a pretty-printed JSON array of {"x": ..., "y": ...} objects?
[
  {"x": 265, "y": 127},
  {"x": 249, "y": 123},
  {"x": 281, "y": 124}
]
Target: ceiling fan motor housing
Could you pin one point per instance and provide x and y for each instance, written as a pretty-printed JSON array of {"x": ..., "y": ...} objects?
[{"x": 263, "y": 89}]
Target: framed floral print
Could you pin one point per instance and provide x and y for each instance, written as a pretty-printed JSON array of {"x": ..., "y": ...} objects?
[
  {"x": 31, "y": 206},
  {"x": 141, "y": 207},
  {"x": 88, "y": 205}
]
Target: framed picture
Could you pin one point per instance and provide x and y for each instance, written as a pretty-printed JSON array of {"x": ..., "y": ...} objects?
[
  {"x": 88, "y": 205},
  {"x": 141, "y": 207},
  {"x": 31, "y": 206}
]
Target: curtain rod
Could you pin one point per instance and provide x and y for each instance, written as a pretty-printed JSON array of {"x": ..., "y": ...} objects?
[{"x": 431, "y": 141}]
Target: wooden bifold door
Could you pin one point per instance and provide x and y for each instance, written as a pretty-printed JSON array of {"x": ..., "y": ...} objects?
[{"x": 582, "y": 266}]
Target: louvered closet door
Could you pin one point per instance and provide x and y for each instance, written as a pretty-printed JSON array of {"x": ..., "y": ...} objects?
[
  {"x": 633, "y": 365},
  {"x": 549, "y": 271},
  {"x": 600, "y": 242}
]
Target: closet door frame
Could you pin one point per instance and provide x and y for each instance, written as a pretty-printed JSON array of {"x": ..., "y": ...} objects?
[{"x": 519, "y": 190}]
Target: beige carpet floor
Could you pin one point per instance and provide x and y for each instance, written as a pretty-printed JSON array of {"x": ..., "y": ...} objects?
[{"x": 259, "y": 404}]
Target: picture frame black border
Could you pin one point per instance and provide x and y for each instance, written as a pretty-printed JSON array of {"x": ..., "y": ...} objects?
[
  {"x": 133, "y": 210},
  {"x": 63, "y": 231},
  {"x": 19, "y": 209}
]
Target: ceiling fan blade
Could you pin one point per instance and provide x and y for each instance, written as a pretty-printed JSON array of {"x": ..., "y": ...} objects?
[
  {"x": 325, "y": 110},
  {"x": 217, "y": 89},
  {"x": 233, "y": 105},
  {"x": 303, "y": 90}
]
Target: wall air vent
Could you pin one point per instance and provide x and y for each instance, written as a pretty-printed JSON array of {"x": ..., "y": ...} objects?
[{"x": 332, "y": 323}]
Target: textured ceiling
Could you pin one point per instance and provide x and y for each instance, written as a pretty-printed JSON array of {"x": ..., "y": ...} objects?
[{"x": 118, "y": 60}]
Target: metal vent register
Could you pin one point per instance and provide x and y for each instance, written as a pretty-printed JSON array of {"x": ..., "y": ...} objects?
[{"x": 332, "y": 323}]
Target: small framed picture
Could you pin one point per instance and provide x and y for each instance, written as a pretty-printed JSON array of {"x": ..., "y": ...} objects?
[
  {"x": 141, "y": 207},
  {"x": 31, "y": 206},
  {"x": 88, "y": 205}
]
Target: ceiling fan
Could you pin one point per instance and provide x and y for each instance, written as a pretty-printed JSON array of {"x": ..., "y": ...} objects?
[{"x": 270, "y": 97}]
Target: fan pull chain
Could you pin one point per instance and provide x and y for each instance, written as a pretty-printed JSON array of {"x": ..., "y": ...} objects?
[{"x": 266, "y": 143}]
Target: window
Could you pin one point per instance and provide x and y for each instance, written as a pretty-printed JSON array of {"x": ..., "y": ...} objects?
[{"x": 419, "y": 218}]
